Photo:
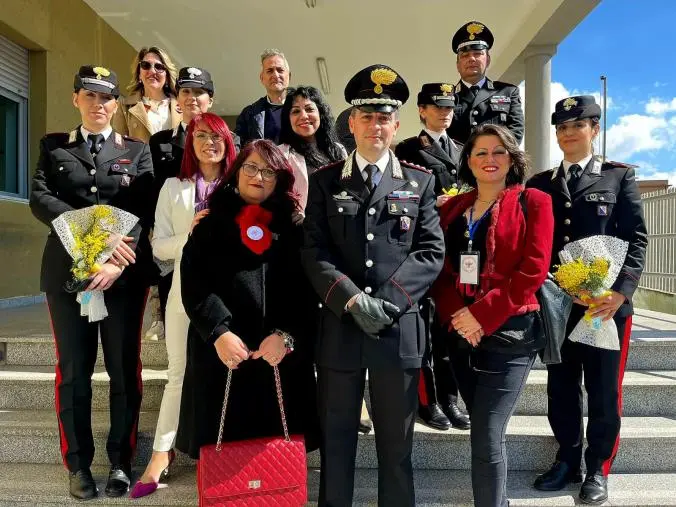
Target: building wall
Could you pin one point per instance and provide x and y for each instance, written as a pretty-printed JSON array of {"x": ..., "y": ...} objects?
[{"x": 61, "y": 35}]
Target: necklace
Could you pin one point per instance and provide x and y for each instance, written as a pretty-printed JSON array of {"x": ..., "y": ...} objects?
[{"x": 488, "y": 202}]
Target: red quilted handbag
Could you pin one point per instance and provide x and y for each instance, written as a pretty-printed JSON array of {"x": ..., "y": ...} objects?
[{"x": 262, "y": 472}]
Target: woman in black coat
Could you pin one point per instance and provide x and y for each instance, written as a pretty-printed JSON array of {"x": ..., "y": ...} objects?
[{"x": 249, "y": 304}]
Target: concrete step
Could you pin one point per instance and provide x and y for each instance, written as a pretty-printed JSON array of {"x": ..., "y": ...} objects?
[
  {"x": 433, "y": 489},
  {"x": 646, "y": 393},
  {"x": 39, "y": 351},
  {"x": 647, "y": 444}
]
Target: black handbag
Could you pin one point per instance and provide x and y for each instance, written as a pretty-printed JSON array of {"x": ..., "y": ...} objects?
[{"x": 555, "y": 307}]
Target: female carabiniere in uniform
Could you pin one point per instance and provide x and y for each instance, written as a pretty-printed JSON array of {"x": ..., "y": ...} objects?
[
  {"x": 91, "y": 165},
  {"x": 590, "y": 197}
]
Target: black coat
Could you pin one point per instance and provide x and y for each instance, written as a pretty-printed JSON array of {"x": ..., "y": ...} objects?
[
  {"x": 496, "y": 102},
  {"x": 227, "y": 287},
  {"x": 67, "y": 178},
  {"x": 606, "y": 201},
  {"x": 424, "y": 151},
  {"x": 251, "y": 121},
  {"x": 355, "y": 241}
]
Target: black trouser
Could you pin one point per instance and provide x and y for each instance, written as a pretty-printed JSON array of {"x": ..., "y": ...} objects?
[
  {"x": 438, "y": 382},
  {"x": 497, "y": 381},
  {"x": 603, "y": 373},
  {"x": 394, "y": 399},
  {"x": 76, "y": 347},
  {"x": 163, "y": 286}
]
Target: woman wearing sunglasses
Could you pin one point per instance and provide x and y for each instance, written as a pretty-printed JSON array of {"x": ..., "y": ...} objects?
[
  {"x": 209, "y": 152},
  {"x": 150, "y": 107},
  {"x": 151, "y": 104}
]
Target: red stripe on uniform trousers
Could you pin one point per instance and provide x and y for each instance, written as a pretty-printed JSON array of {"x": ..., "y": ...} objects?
[
  {"x": 57, "y": 401},
  {"x": 422, "y": 390},
  {"x": 620, "y": 377},
  {"x": 139, "y": 380}
]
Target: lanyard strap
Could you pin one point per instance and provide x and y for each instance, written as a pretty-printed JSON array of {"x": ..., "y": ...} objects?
[{"x": 472, "y": 225}]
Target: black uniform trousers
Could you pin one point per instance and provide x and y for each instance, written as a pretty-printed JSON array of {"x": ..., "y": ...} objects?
[
  {"x": 394, "y": 399},
  {"x": 439, "y": 382},
  {"x": 603, "y": 374},
  {"x": 76, "y": 348}
]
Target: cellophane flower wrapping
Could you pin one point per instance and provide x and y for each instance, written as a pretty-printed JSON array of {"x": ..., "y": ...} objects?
[
  {"x": 90, "y": 236},
  {"x": 595, "y": 251}
]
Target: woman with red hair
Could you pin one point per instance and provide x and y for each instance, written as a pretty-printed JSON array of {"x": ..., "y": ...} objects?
[
  {"x": 250, "y": 309},
  {"x": 182, "y": 203}
]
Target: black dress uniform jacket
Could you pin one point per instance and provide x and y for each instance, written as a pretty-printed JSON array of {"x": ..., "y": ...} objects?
[
  {"x": 227, "y": 287},
  {"x": 387, "y": 243},
  {"x": 495, "y": 102},
  {"x": 606, "y": 200},
  {"x": 425, "y": 151},
  {"x": 67, "y": 178}
]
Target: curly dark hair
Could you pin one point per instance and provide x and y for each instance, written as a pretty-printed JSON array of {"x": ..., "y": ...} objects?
[
  {"x": 327, "y": 149},
  {"x": 518, "y": 171}
]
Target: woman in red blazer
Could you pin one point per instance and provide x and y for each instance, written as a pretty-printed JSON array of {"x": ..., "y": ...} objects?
[{"x": 498, "y": 247}]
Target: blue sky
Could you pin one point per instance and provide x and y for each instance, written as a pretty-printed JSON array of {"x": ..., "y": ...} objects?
[{"x": 633, "y": 43}]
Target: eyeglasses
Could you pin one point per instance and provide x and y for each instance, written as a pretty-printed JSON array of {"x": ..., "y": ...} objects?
[
  {"x": 203, "y": 137},
  {"x": 251, "y": 170},
  {"x": 159, "y": 67}
]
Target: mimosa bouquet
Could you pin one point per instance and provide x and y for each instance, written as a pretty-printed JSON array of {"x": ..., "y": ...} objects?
[
  {"x": 454, "y": 190},
  {"x": 588, "y": 269},
  {"x": 90, "y": 235}
]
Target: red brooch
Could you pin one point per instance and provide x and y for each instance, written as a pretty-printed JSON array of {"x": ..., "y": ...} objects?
[{"x": 253, "y": 226}]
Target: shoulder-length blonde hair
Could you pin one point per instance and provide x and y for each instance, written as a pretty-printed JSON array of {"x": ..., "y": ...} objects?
[{"x": 136, "y": 85}]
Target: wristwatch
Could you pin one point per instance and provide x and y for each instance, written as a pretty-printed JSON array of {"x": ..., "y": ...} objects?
[{"x": 288, "y": 339}]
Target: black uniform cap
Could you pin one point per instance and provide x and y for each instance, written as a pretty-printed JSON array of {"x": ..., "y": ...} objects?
[
  {"x": 439, "y": 94},
  {"x": 96, "y": 79},
  {"x": 575, "y": 108},
  {"x": 471, "y": 36},
  {"x": 377, "y": 88},
  {"x": 194, "y": 77}
]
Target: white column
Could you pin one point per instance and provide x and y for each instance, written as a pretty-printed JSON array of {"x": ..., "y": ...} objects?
[{"x": 537, "y": 60}]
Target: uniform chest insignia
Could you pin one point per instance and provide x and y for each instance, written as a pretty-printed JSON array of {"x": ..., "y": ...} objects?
[
  {"x": 602, "y": 210},
  {"x": 424, "y": 140},
  {"x": 596, "y": 168},
  {"x": 119, "y": 142},
  {"x": 125, "y": 181},
  {"x": 414, "y": 184},
  {"x": 394, "y": 207},
  {"x": 500, "y": 99},
  {"x": 343, "y": 196},
  {"x": 72, "y": 137}
]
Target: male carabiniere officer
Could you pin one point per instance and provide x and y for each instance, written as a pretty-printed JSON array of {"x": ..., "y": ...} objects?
[
  {"x": 590, "y": 198},
  {"x": 480, "y": 100},
  {"x": 373, "y": 246},
  {"x": 90, "y": 165},
  {"x": 433, "y": 149}
]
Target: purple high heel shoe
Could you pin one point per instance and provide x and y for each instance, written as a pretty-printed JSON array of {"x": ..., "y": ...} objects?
[{"x": 142, "y": 489}]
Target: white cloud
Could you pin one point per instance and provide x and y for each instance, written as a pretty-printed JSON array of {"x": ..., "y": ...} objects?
[
  {"x": 649, "y": 171},
  {"x": 659, "y": 107},
  {"x": 636, "y": 133},
  {"x": 659, "y": 84}
]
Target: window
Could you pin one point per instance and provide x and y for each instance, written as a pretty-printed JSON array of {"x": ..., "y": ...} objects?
[{"x": 13, "y": 120}]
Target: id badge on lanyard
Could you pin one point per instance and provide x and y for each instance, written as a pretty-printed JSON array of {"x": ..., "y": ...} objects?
[{"x": 470, "y": 260}]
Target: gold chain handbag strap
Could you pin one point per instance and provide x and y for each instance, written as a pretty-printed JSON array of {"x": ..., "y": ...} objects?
[{"x": 280, "y": 400}]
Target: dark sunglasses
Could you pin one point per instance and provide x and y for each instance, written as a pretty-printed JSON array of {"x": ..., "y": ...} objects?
[{"x": 159, "y": 67}]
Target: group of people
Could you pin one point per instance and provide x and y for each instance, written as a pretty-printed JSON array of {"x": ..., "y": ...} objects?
[{"x": 289, "y": 243}]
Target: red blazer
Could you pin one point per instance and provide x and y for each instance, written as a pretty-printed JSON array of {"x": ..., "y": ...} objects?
[{"x": 518, "y": 254}]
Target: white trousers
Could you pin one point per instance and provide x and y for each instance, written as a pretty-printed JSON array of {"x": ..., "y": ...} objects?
[{"x": 176, "y": 338}]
